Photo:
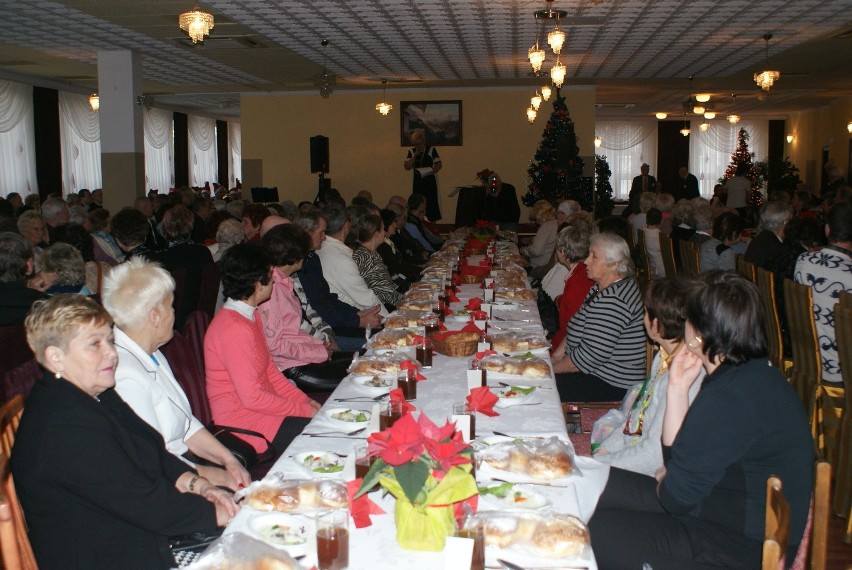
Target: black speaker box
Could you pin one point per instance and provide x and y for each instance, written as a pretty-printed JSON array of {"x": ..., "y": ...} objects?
[{"x": 319, "y": 154}]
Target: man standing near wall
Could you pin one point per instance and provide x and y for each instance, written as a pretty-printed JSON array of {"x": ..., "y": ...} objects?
[{"x": 688, "y": 187}]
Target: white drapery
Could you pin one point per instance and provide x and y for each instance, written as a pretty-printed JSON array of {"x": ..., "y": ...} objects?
[
  {"x": 626, "y": 145},
  {"x": 203, "y": 162},
  {"x": 17, "y": 139},
  {"x": 159, "y": 150},
  {"x": 710, "y": 151},
  {"x": 80, "y": 138},
  {"x": 235, "y": 153}
]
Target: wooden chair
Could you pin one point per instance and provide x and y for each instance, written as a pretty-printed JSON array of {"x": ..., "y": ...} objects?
[
  {"x": 772, "y": 324},
  {"x": 746, "y": 268},
  {"x": 14, "y": 355},
  {"x": 843, "y": 467},
  {"x": 645, "y": 272},
  {"x": 690, "y": 253},
  {"x": 667, "y": 250},
  {"x": 820, "y": 399},
  {"x": 821, "y": 513},
  {"x": 15, "y": 545},
  {"x": 209, "y": 289},
  {"x": 777, "y": 528},
  {"x": 10, "y": 417}
]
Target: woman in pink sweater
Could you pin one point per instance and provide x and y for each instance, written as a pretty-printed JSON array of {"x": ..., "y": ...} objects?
[{"x": 244, "y": 386}]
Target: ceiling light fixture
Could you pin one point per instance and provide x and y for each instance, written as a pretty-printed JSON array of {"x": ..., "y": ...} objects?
[
  {"x": 791, "y": 138},
  {"x": 535, "y": 101},
  {"x": 734, "y": 119},
  {"x": 685, "y": 130},
  {"x": 702, "y": 97},
  {"x": 94, "y": 101},
  {"x": 557, "y": 73},
  {"x": 556, "y": 39},
  {"x": 849, "y": 127},
  {"x": 767, "y": 78},
  {"x": 536, "y": 57},
  {"x": 703, "y": 127},
  {"x": 598, "y": 141},
  {"x": 661, "y": 116},
  {"x": 709, "y": 115},
  {"x": 545, "y": 92},
  {"x": 384, "y": 107},
  {"x": 531, "y": 114},
  {"x": 196, "y": 23},
  {"x": 325, "y": 81},
  {"x": 699, "y": 109}
]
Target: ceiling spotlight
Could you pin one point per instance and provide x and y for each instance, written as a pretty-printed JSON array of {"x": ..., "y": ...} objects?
[
  {"x": 598, "y": 141},
  {"x": 535, "y": 101},
  {"x": 557, "y": 73},
  {"x": 545, "y": 92},
  {"x": 196, "y": 23},
  {"x": 536, "y": 57},
  {"x": 704, "y": 126},
  {"x": 531, "y": 114},
  {"x": 94, "y": 101},
  {"x": 710, "y": 115},
  {"x": 767, "y": 78},
  {"x": 699, "y": 109},
  {"x": 702, "y": 97},
  {"x": 661, "y": 116}
]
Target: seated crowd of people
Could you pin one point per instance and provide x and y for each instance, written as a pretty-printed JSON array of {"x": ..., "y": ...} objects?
[{"x": 302, "y": 287}]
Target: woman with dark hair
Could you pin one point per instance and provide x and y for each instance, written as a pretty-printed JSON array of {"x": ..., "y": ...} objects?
[
  {"x": 402, "y": 271},
  {"x": 416, "y": 227},
  {"x": 301, "y": 357},
  {"x": 706, "y": 506},
  {"x": 244, "y": 386},
  {"x": 371, "y": 233},
  {"x": 253, "y": 216},
  {"x": 632, "y": 438},
  {"x": 106, "y": 248},
  {"x": 719, "y": 252}
]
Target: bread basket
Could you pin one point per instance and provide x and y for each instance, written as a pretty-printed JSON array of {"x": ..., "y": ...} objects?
[
  {"x": 460, "y": 344},
  {"x": 472, "y": 278}
]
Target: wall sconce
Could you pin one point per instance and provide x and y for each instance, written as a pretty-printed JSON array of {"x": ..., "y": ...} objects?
[
  {"x": 790, "y": 138},
  {"x": 849, "y": 127},
  {"x": 94, "y": 101},
  {"x": 598, "y": 141}
]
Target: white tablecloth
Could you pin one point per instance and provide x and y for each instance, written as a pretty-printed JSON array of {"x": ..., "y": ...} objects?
[{"x": 375, "y": 547}]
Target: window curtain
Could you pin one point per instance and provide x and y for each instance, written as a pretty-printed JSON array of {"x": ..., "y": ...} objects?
[
  {"x": 235, "y": 153},
  {"x": 203, "y": 162},
  {"x": 159, "y": 150},
  {"x": 626, "y": 145},
  {"x": 80, "y": 136},
  {"x": 710, "y": 151},
  {"x": 17, "y": 139}
]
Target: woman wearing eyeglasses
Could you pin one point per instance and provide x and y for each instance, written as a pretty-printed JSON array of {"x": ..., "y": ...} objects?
[
  {"x": 706, "y": 506},
  {"x": 630, "y": 436}
]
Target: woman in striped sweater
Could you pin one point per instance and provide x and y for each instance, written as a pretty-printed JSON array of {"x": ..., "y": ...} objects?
[
  {"x": 603, "y": 353},
  {"x": 370, "y": 234}
]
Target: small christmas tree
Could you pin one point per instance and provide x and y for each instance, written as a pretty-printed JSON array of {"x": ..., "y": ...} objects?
[
  {"x": 742, "y": 157},
  {"x": 603, "y": 189},
  {"x": 556, "y": 170}
]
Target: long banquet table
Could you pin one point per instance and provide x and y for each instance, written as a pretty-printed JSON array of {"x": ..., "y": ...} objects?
[{"x": 375, "y": 547}]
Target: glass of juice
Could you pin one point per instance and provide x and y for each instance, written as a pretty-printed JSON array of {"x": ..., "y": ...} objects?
[
  {"x": 389, "y": 413},
  {"x": 407, "y": 382},
  {"x": 363, "y": 461},
  {"x": 333, "y": 539}
]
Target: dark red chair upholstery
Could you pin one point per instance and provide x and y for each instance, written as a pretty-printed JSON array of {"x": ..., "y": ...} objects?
[
  {"x": 208, "y": 293},
  {"x": 184, "y": 365},
  {"x": 18, "y": 368},
  {"x": 193, "y": 332}
]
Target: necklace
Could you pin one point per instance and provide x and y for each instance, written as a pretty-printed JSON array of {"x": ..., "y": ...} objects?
[{"x": 643, "y": 398}]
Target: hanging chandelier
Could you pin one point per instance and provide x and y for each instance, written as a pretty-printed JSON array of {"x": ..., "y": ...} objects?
[
  {"x": 557, "y": 73},
  {"x": 598, "y": 141},
  {"x": 94, "y": 101},
  {"x": 536, "y": 57},
  {"x": 685, "y": 130},
  {"x": 535, "y": 101},
  {"x": 531, "y": 114},
  {"x": 556, "y": 39},
  {"x": 545, "y": 92},
  {"x": 384, "y": 107},
  {"x": 196, "y": 23},
  {"x": 704, "y": 127},
  {"x": 767, "y": 78},
  {"x": 734, "y": 119}
]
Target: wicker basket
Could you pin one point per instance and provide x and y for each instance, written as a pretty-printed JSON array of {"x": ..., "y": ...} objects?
[
  {"x": 461, "y": 344},
  {"x": 476, "y": 249},
  {"x": 472, "y": 278}
]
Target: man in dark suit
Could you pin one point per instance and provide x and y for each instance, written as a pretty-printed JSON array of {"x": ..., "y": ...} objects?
[
  {"x": 768, "y": 247},
  {"x": 688, "y": 185},
  {"x": 642, "y": 183}
]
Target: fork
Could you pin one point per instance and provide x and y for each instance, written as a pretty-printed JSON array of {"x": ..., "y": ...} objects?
[
  {"x": 335, "y": 433},
  {"x": 363, "y": 398}
]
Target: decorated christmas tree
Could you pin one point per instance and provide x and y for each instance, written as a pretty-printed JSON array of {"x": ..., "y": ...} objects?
[
  {"x": 603, "y": 189},
  {"x": 743, "y": 157},
  {"x": 555, "y": 172}
]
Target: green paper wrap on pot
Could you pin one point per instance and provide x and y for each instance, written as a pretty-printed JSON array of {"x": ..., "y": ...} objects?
[{"x": 426, "y": 525}]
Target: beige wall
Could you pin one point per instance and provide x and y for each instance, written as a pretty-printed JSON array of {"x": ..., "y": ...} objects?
[
  {"x": 815, "y": 129},
  {"x": 365, "y": 151}
]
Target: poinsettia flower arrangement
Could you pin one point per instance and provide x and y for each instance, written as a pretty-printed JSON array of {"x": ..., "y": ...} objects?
[{"x": 427, "y": 469}]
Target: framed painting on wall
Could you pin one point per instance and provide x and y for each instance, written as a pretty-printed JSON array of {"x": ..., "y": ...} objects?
[{"x": 441, "y": 122}]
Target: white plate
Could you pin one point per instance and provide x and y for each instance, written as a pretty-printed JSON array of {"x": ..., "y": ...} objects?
[
  {"x": 289, "y": 532},
  {"x": 361, "y": 382},
  {"x": 499, "y": 305},
  {"x": 344, "y": 424},
  {"x": 321, "y": 458},
  {"x": 457, "y": 318},
  {"x": 506, "y": 400},
  {"x": 518, "y": 497}
]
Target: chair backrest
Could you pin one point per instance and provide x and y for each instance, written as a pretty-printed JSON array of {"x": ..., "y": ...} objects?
[
  {"x": 772, "y": 325},
  {"x": 819, "y": 532},
  {"x": 807, "y": 363},
  {"x": 746, "y": 268},
  {"x": 21, "y": 379},
  {"x": 843, "y": 472},
  {"x": 10, "y": 418},
  {"x": 667, "y": 250},
  {"x": 15, "y": 352},
  {"x": 209, "y": 291},
  {"x": 646, "y": 271},
  {"x": 689, "y": 256},
  {"x": 777, "y": 528},
  {"x": 17, "y": 553},
  {"x": 184, "y": 365}
]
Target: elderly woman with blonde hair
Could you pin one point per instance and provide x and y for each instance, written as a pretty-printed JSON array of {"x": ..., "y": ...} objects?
[
  {"x": 540, "y": 249},
  {"x": 97, "y": 485},
  {"x": 139, "y": 294}
]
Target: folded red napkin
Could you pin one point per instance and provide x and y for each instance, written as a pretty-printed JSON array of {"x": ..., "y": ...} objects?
[
  {"x": 419, "y": 339},
  {"x": 478, "y": 315},
  {"x": 482, "y": 400},
  {"x": 474, "y": 304},
  {"x": 409, "y": 365},
  {"x": 456, "y": 281},
  {"x": 442, "y": 326},
  {"x": 453, "y": 297},
  {"x": 483, "y": 354},
  {"x": 362, "y": 507},
  {"x": 485, "y": 263},
  {"x": 470, "y": 327},
  {"x": 396, "y": 395}
]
